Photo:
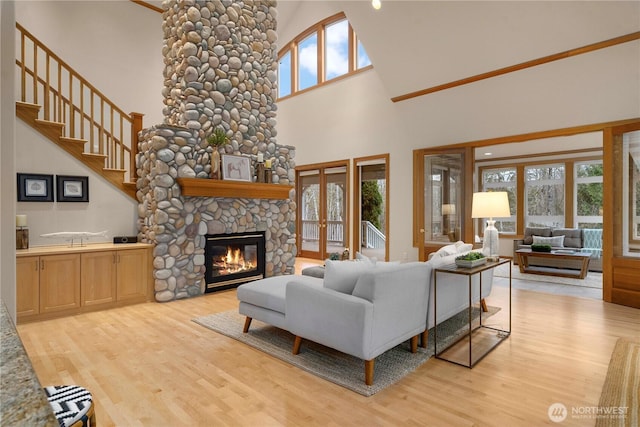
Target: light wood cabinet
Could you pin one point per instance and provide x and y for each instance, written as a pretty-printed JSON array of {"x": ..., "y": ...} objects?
[
  {"x": 27, "y": 287},
  {"x": 98, "y": 284},
  {"x": 58, "y": 281},
  {"x": 132, "y": 280}
]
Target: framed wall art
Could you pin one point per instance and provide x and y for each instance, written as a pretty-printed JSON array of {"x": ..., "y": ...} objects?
[
  {"x": 72, "y": 188},
  {"x": 236, "y": 168},
  {"x": 33, "y": 187}
]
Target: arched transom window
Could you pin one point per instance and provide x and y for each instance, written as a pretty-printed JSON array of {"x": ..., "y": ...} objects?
[{"x": 324, "y": 52}]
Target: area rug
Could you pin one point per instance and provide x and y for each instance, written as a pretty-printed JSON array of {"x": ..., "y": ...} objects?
[
  {"x": 593, "y": 279},
  {"x": 331, "y": 365},
  {"x": 620, "y": 398}
]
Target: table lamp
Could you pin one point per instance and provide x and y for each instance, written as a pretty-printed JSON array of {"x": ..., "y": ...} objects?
[
  {"x": 490, "y": 204},
  {"x": 22, "y": 232}
]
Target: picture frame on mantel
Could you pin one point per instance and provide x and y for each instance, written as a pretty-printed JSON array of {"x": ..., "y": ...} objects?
[
  {"x": 72, "y": 188},
  {"x": 236, "y": 168},
  {"x": 34, "y": 187}
]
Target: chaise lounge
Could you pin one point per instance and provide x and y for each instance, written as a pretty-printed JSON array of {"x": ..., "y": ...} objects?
[{"x": 362, "y": 308}]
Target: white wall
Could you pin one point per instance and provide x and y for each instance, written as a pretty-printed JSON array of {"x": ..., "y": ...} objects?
[
  {"x": 355, "y": 117},
  {"x": 115, "y": 45},
  {"x": 108, "y": 208},
  {"x": 7, "y": 174}
]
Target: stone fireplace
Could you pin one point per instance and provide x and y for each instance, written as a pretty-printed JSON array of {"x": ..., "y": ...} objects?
[{"x": 220, "y": 71}]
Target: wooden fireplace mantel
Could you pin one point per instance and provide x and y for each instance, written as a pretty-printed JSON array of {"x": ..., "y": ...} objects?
[{"x": 202, "y": 187}]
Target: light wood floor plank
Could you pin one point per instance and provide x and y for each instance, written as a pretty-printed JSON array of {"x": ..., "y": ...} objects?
[{"x": 150, "y": 365}]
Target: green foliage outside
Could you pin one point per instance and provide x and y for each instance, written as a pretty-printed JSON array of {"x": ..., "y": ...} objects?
[{"x": 371, "y": 203}]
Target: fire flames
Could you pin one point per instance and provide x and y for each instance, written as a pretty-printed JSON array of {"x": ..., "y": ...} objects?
[{"x": 234, "y": 262}]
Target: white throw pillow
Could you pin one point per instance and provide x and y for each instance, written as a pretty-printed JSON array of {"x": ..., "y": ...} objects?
[
  {"x": 363, "y": 257},
  {"x": 342, "y": 276},
  {"x": 466, "y": 247},
  {"x": 555, "y": 241},
  {"x": 447, "y": 250}
]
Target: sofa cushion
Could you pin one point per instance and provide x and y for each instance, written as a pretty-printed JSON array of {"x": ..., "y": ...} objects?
[
  {"x": 365, "y": 285},
  {"x": 554, "y": 242},
  {"x": 270, "y": 292},
  {"x": 342, "y": 276},
  {"x": 572, "y": 236},
  {"x": 529, "y": 232}
]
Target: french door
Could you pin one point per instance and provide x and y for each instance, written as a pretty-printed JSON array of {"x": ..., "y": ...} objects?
[
  {"x": 621, "y": 251},
  {"x": 323, "y": 206},
  {"x": 371, "y": 206}
]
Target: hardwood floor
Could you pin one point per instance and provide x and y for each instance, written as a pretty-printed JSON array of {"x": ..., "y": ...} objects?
[{"x": 150, "y": 365}]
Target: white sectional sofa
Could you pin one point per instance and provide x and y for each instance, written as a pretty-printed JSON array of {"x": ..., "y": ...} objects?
[{"x": 338, "y": 310}]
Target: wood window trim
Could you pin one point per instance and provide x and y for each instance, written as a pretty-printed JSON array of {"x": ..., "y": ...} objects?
[
  {"x": 319, "y": 29},
  {"x": 569, "y": 164},
  {"x": 521, "y": 66}
]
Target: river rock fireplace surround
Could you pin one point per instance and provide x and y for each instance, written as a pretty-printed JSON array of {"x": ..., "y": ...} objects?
[{"x": 220, "y": 71}]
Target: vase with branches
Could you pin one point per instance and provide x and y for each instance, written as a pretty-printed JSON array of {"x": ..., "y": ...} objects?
[{"x": 217, "y": 139}]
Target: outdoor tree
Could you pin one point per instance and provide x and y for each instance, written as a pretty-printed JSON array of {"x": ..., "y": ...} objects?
[{"x": 371, "y": 203}]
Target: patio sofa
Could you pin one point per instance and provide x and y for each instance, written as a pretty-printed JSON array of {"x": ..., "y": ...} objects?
[{"x": 579, "y": 239}]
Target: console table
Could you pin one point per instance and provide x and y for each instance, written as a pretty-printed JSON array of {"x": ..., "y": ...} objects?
[{"x": 482, "y": 337}]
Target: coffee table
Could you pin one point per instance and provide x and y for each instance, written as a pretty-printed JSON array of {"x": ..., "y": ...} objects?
[{"x": 582, "y": 258}]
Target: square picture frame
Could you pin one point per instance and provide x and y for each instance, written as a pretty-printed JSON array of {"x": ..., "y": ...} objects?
[
  {"x": 35, "y": 187},
  {"x": 236, "y": 168},
  {"x": 70, "y": 188}
]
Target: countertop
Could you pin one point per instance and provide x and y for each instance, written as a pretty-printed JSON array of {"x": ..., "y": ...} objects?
[
  {"x": 67, "y": 249},
  {"x": 23, "y": 402}
]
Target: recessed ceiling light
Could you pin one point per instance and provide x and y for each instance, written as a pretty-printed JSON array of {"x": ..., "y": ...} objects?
[
  {"x": 488, "y": 153},
  {"x": 377, "y": 4}
]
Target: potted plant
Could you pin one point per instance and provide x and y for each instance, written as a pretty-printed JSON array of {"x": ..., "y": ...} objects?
[
  {"x": 541, "y": 247},
  {"x": 471, "y": 259},
  {"x": 217, "y": 139}
]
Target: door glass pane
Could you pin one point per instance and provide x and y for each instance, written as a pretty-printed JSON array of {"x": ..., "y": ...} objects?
[
  {"x": 631, "y": 194},
  {"x": 310, "y": 210},
  {"x": 373, "y": 194},
  {"x": 443, "y": 197},
  {"x": 336, "y": 225}
]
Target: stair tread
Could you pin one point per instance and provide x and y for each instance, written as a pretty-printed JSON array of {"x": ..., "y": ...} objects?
[
  {"x": 79, "y": 140},
  {"x": 96, "y": 155},
  {"x": 28, "y": 105},
  {"x": 49, "y": 122},
  {"x": 114, "y": 170}
]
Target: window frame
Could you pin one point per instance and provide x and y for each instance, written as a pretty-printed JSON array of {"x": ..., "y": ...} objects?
[
  {"x": 320, "y": 30},
  {"x": 570, "y": 164}
]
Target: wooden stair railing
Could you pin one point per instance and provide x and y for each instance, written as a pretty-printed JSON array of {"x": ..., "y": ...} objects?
[{"x": 70, "y": 111}]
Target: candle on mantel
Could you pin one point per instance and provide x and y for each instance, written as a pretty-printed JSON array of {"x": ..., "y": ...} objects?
[
  {"x": 267, "y": 163},
  {"x": 260, "y": 157},
  {"x": 21, "y": 220}
]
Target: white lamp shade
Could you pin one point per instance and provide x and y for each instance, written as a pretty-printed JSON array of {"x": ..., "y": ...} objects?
[
  {"x": 448, "y": 209},
  {"x": 21, "y": 220},
  {"x": 490, "y": 204}
]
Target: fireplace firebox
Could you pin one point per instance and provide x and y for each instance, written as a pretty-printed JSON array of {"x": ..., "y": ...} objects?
[{"x": 232, "y": 259}]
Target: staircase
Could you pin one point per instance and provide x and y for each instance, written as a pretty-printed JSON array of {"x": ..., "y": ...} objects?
[{"x": 69, "y": 111}]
